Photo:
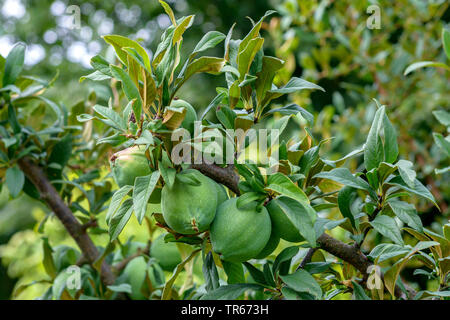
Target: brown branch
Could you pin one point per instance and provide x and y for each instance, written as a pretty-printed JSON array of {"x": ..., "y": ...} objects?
[
  {"x": 226, "y": 176},
  {"x": 122, "y": 264},
  {"x": 307, "y": 258},
  {"x": 52, "y": 198},
  {"x": 348, "y": 253}
]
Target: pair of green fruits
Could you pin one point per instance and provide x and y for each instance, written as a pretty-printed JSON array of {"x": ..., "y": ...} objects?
[
  {"x": 237, "y": 233},
  {"x": 195, "y": 203}
]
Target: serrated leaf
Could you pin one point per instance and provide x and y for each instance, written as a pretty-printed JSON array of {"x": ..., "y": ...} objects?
[
  {"x": 231, "y": 291},
  {"x": 388, "y": 228},
  {"x": 167, "y": 290},
  {"x": 281, "y": 184},
  {"x": 120, "y": 218},
  {"x": 405, "y": 168},
  {"x": 302, "y": 281},
  {"x": 419, "y": 189},
  {"x": 116, "y": 201},
  {"x": 374, "y": 150},
  {"x": 344, "y": 176},
  {"x": 119, "y": 42},
  {"x": 407, "y": 213},
  {"x": 234, "y": 272},
  {"x": 210, "y": 273},
  {"x": 143, "y": 188},
  {"x": 14, "y": 64},
  {"x": 15, "y": 180}
]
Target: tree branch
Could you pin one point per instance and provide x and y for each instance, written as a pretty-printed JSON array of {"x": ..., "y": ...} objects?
[
  {"x": 52, "y": 198},
  {"x": 226, "y": 176}
]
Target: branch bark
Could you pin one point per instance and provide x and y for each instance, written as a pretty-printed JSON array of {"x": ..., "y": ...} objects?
[
  {"x": 226, "y": 176},
  {"x": 76, "y": 230}
]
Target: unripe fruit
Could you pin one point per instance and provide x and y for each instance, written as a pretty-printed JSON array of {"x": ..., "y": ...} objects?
[
  {"x": 166, "y": 253},
  {"x": 191, "y": 114},
  {"x": 281, "y": 224},
  {"x": 239, "y": 234},
  {"x": 186, "y": 208},
  {"x": 271, "y": 245},
  {"x": 135, "y": 272},
  {"x": 128, "y": 164}
]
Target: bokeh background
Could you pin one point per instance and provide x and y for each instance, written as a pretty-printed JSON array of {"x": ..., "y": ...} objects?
[{"x": 326, "y": 42}]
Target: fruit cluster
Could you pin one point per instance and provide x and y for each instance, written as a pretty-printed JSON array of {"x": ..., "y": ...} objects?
[{"x": 195, "y": 204}]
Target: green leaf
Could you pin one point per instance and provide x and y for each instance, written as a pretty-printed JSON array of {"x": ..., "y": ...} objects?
[
  {"x": 167, "y": 290},
  {"x": 446, "y": 41},
  {"x": 246, "y": 56},
  {"x": 234, "y": 94},
  {"x": 130, "y": 90},
  {"x": 268, "y": 274},
  {"x": 234, "y": 272},
  {"x": 281, "y": 184},
  {"x": 208, "y": 41},
  {"x": 116, "y": 201},
  {"x": 423, "y": 64},
  {"x": 143, "y": 188},
  {"x": 344, "y": 176},
  {"x": 95, "y": 76},
  {"x": 116, "y": 121},
  {"x": 100, "y": 64},
  {"x": 14, "y": 64},
  {"x": 443, "y": 117},
  {"x": 358, "y": 292},
  {"x": 345, "y": 200},
  {"x": 124, "y": 287},
  {"x": 388, "y": 228},
  {"x": 185, "y": 23},
  {"x": 210, "y": 273},
  {"x": 390, "y": 277},
  {"x": 226, "y": 116},
  {"x": 270, "y": 66},
  {"x": 202, "y": 64},
  {"x": 15, "y": 179},
  {"x": 256, "y": 274},
  {"x": 373, "y": 150},
  {"x": 302, "y": 281},
  {"x": 419, "y": 189},
  {"x": 285, "y": 256},
  {"x": 405, "y": 168},
  {"x": 120, "y": 42},
  {"x": 443, "y": 143},
  {"x": 407, "y": 213},
  {"x": 296, "y": 84},
  {"x": 302, "y": 216},
  {"x": 390, "y": 141},
  {"x": 169, "y": 12},
  {"x": 168, "y": 174},
  {"x": 214, "y": 103},
  {"x": 385, "y": 251},
  {"x": 231, "y": 291},
  {"x": 49, "y": 264},
  {"x": 293, "y": 109},
  {"x": 120, "y": 218},
  {"x": 247, "y": 198},
  {"x": 254, "y": 32}
]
